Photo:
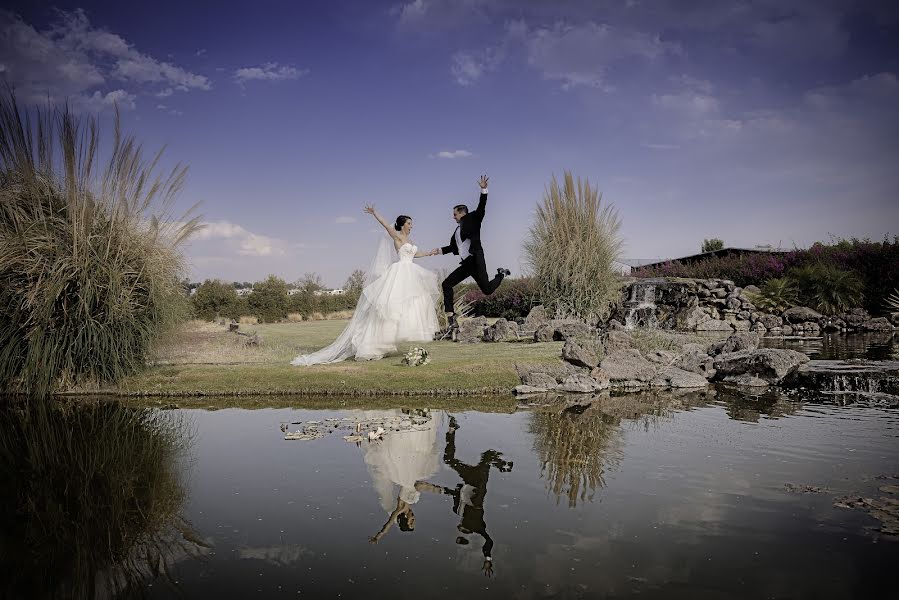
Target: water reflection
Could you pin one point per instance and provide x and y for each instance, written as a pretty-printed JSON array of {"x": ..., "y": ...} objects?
[
  {"x": 469, "y": 494},
  {"x": 91, "y": 496},
  {"x": 878, "y": 345},
  {"x": 397, "y": 462}
]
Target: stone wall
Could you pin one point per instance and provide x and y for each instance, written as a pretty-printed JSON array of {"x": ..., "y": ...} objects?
[{"x": 717, "y": 305}]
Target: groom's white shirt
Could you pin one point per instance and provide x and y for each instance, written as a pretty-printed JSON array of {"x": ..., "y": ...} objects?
[{"x": 464, "y": 247}]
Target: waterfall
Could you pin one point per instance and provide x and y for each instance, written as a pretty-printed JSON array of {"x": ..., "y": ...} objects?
[{"x": 640, "y": 307}]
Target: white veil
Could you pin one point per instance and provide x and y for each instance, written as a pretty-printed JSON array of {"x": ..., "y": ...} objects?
[{"x": 343, "y": 348}]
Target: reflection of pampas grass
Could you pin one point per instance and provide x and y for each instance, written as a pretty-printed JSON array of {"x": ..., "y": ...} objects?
[
  {"x": 89, "y": 264},
  {"x": 574, "y": 451},
  {"x": 91, "y": 495}
]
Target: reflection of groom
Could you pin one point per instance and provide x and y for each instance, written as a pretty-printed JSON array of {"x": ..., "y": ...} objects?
[
  {"x": 468, "y": 497},
  {"x": 466, "y": 242}
]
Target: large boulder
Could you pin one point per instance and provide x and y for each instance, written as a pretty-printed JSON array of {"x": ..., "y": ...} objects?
[
  {"x": 769, "y": 364},
  {"x": 616, "y": 340},
  {"x": 661, "y": 357},
  {"x": 580, "y": 353},
  {"x": 501, "y": 331},
  {"x": 894, "y": 318},
  {"x": 678, "y": 378},
  {"x": 801, "y": 314},
  {"x": 687, "y": 320},
  {"x": 752, "y": 289},
  {"x": 544, "y": 333},
  {"x": 856, "y": 317},
  {"x": 740, "y": 341},
  {"x": 770, "y": 321},
  {"x": 579, "y": 383},
  {"x": 471, "y": 331},
  {"x": 628, "y": 367},
  {"x": 536, "y": 317},
  {"x": 877, "y": 324},
  {"x": 565, "y": 331},
  {"x": 714, "y": 325},
  {"x": 696, "y": 360}
]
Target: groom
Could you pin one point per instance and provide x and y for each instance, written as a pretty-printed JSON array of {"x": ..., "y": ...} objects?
[{"x": 466, "y": 242}]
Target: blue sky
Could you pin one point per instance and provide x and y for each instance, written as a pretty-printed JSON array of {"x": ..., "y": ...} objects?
[{"x": 771, "y": 122}]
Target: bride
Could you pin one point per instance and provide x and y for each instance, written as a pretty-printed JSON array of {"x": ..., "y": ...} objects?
[{"x": 396, "y": 303}]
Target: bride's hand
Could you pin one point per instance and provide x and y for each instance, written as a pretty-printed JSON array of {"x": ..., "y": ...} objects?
[{"x": 369, "y": 208}]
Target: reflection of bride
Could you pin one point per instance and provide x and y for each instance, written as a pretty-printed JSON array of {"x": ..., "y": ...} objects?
[
  {"x": 397, "y": 462},
  {"x": 397, "y": 303}
]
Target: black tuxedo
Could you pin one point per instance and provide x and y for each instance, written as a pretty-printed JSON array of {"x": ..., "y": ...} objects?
[{"x": 474, "y": 265}]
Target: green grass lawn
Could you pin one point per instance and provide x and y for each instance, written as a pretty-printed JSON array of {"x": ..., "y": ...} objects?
[{"x": 202, "y": 358}]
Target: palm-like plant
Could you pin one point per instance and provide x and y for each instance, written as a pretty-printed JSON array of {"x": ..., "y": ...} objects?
[
  {"x": 571, "y": 247},
  {"x": 89, "y": 263},
  {"x": 776, "y": 295},
  {"x": 892, "y": 301},
  {"x": 827, "y": 289}
]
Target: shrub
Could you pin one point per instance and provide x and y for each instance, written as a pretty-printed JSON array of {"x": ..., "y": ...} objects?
[
  {"x": 513, "y": 300},
  {"x": 571, "y": 247},
  {"x": 777, "y": 294},
  {"x": 215, "y": 298},
  {"x": 268, "y": 301},
  {"x": 90, "y": 266},
  {"x": 710, "y": 245},
  {"x": 827, "y": 289}
]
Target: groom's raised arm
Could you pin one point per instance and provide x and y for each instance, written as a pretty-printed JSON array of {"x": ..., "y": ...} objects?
[{"x": 482, "y": 201}]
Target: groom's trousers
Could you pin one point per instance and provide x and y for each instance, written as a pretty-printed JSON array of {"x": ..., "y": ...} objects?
[{"x": 473, "y": 266}]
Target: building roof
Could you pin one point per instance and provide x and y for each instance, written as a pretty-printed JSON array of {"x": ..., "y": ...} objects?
[{"x": 722, "y": 252}]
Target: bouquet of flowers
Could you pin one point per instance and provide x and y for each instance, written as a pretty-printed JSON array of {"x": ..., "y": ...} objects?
[{"x": 416, "y": 357}]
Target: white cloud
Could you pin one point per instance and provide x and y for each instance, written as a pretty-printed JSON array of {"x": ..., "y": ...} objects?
[
  {"x": 271, "y": 71},
  {"x": 242, "y": 242},
  {"x": 200, "y": 52},
  {"x": 453, "y": 154},
  {"x": 655, "y": 146},
  {"x": 688, "y": 102},
  {"x": 345, "y": 220},
  {"x": 71, "y": 59}
]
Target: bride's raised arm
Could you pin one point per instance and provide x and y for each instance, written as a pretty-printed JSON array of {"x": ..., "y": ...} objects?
[{"x": 370, "y": 209}]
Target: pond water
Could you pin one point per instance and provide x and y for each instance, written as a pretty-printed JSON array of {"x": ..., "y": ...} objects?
[{"x": 699, "y": 495}]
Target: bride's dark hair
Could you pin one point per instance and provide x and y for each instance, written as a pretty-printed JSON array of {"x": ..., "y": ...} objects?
[{"x": 400, "y": 221}]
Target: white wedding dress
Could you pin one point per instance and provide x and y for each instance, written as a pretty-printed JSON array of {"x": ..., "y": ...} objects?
[{"x": 397, "y": 305}]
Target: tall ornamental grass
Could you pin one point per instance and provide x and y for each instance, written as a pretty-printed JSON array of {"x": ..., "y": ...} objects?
[
  {"x": 89, "y": 254},
  {"x": 571, "y": 247}
]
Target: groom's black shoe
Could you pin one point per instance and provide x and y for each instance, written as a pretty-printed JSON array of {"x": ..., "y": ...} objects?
[
  {"x": 503, "y": 272},
  {"x": 451, "y": 322}
]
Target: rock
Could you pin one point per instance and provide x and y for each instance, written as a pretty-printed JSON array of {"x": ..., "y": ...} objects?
[
  {"x": 770, "y": 364},
  {"x": 540, "y": 380},
  {"x": 894, "y": 318},
  {"x": 720, "y": 293},
  {"x": 786, "y": 330},
  {"x": 714, "y": 325},
  {"x": 501, "y": 331},
  {"x": 877, "y": 324},
  {"x": 679, "y": 378},
  {"x": 744, "y": 315},
  {"x": 544, "y": 333},
  {"x": 832, "y": 324},
  {"x": 628, "y": 365},
  {"x": 740, "y": 341},
  {"x": 615, "y": 326},
  {"x": 728, "y": 285},
  {"x": 807, "y": 327},
  {"x": 800, "y": 314},
  {"x": 579, "y": 383},
  {"x": 581, "y": 354},
  {"x": 737, "y": 324},
  {"x": 748, "y": 380},
  {"x": 572, "y": 330},
  {"x": 687, "y": 320},
  {"x": 661, "y": 357},
  {"x": 770, "y": 321},
  {"x": 600, "y": 377},
  {"x": 758, "y": 328},
  {"x": 527, "y": 389},
  {"x": 734, "y": 303},
  {"x": 471, "y": 331},
  {"x": 752, "y": 289},
  {"x": 536, "y": 317},
  {"x": 255, "y": 339},
  {"x": 616, "y": 340},
  {"x": 696, "y": 361},
  {"x": 856, "y": 317}
]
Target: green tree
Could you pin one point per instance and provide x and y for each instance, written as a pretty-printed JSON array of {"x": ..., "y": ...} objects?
[
  {"x": 710, "y": 245},
  {"x": 215, "y": 298},
  {"x": 310, "y": 283},
  {"x": 354, "y": 283},
  {"x": 269, "y": 299}
]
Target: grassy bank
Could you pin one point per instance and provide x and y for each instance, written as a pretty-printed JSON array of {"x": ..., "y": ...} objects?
[{"x": 202, "y": 358}]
